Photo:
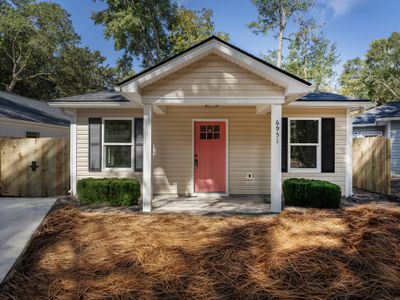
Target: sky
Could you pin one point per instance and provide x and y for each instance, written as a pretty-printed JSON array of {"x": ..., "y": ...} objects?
[{"x": 351, "y": 24}]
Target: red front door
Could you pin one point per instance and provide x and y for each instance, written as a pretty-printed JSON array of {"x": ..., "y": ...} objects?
[{"x": 210, "y": 157}]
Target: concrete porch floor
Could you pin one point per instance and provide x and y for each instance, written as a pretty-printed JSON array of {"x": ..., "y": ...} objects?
[{"x": 212, "y": 204}]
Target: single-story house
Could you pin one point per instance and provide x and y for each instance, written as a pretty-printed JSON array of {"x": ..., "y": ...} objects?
[
  {"x": 26, "y": 117},
  {"x": 212, "y": 119},
  {"x": 383, "y": 120}
]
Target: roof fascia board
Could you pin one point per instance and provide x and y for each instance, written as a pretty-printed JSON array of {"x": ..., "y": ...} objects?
[
  {"x": 24, "y": 122},
  {"x": 213, "y": 100},
  {"x": 93, "y": 104},
  {"x": 347, "y": 104}
]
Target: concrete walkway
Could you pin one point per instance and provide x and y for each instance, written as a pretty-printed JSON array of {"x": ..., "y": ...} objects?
[
  {"x": 19, "y": 218},
  {"x": 212, "y": 204}
]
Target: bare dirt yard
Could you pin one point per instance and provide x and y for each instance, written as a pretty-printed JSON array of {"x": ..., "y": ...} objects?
[{"x": 351, "y": 253}]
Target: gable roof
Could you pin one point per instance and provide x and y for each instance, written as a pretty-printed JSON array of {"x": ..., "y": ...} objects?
[
  {"x": 17, "y": 107},
  {"x": 388, "y": 110},
  {"x": 323, "y": 96},
  {"x": 211, "y": 38}
]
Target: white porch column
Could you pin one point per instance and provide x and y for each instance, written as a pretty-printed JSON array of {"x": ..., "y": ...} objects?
[
  {"x": 72, "y": 114},
  {"x": 147, "y": 158},
  {"x": 276, "y": 171},
  {"x": 349, "y": 154}
]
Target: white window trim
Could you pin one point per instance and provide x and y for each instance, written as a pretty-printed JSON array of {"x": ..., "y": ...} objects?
[
  {"x": 104, "y": 144},
  {"x": 318, "y": 145}
]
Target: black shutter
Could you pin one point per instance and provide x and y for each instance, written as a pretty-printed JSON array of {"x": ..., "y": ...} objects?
[
  {"x": 328, "y": 145},
  {"x": 94, "y": 144},
  {"x": 284, "y": 143},
  {"x": 138, "y": 144}
]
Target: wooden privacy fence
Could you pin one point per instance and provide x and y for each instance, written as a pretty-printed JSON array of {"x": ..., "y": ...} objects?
[
  {"x": 371, "y": 164},
  {"x": 32, "y": 167}
]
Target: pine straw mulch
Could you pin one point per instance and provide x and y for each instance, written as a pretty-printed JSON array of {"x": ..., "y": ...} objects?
[{"x": 300, "y": 254}]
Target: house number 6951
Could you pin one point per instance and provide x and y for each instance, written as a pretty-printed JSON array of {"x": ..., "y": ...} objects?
[{"x": 277, "y": 127}]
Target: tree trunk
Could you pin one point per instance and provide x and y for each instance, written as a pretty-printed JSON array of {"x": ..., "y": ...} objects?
[
  {"x": 10, "y": 87},
  {"x": 280, "y": 45}
]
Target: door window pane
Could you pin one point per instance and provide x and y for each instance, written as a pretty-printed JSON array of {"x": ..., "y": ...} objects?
[
  {"x": 304, "y": 131},
  {"x": 118, "y": 131},
  {"x": 118, "y": 156},
  {"x": 303, "y": 156}
]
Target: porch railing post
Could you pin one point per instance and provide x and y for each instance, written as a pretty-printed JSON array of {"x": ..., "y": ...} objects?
[
  {"x": 147, "y": 158},
  {"x": 276, "y": 172}
]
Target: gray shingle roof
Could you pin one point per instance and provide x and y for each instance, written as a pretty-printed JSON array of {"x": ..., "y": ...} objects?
[
  {"x": 103, "y": 96},
  {"x": 322, "y": 96},
  {"x": 388, "y": 110},
  {"x": 26, "y": 109}
]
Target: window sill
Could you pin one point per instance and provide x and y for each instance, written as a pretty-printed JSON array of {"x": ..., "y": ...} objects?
[{"x": 302, "y": 171}]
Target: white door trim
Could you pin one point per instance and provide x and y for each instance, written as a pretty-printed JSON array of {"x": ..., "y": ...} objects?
[{"x": 226, "y": 155}]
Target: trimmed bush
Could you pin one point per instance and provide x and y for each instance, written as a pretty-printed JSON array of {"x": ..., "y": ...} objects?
[
  {"x": 311, "y": 193},
  {"x": 111, "y": 191}
]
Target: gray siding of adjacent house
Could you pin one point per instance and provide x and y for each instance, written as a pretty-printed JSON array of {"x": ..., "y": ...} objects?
[
  {"x": 369, "y": 129},
  {"x": 395, "y": 137}
]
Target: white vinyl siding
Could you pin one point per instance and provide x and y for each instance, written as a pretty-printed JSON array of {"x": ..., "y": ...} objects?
[{"x": 212, "y": 76}]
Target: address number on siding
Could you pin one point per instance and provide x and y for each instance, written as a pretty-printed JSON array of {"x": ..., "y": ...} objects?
[{"x": 277, "y": 131}]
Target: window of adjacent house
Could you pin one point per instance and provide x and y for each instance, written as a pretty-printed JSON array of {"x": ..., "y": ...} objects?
[
  {"x": 32, "y": 134},
  {"x": 118, "y": 143},
  {"x": 304, "y": 144}
]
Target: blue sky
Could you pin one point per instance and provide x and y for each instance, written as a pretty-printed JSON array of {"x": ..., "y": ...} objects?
[{"x": 351, "y": 24}]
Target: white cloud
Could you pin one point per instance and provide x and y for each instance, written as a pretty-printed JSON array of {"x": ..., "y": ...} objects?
[{"x": 342, "y": 7}]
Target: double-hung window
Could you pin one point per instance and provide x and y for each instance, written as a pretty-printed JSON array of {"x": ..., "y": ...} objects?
[
  {"x": 118, "y": 143},
  {"x": 304, "y": 144}
]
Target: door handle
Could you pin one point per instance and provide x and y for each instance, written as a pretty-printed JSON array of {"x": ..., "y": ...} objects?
[
  {"x": 34, "y": 166},
  {"x": 196, "y": 162}
]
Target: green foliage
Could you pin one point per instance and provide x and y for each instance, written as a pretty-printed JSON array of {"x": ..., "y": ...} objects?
[
  {"x": 311, "y": 193},
  {"x": 376, "y": 77},
  {"x": 311, "y": 55},
  {"x": 273, "y": 15},
  {"x": 111, "y": 191},
  {"x": 152, "y": 31},
  {"x": 139, "y": 28},
  {"x": 35, "y": 41},
  {"x": 192, "y": 27}
]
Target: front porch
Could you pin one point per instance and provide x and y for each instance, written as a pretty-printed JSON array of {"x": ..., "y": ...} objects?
[{"x": 212, "y": 204}]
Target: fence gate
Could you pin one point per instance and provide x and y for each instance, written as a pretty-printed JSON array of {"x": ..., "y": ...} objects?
[
  {"x": 371, "y": 164},
  {"x": 32, "y": 167}
]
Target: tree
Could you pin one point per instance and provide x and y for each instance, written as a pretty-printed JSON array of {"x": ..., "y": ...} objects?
[
  {"x": 376, "y": 77},
  {"x": 192, "y": 27},
  {"x": 139, "y": 28},
  {"x": 31, "y": 32},
  {"x": 40, "y": 56},
  {"x": 311, "y": 55},
  {"x": 273, "y": 15}
]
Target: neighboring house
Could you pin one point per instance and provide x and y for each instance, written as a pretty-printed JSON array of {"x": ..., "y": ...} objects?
[
  {"x": 383, "y": 120},
  {"x": 212, "y": 119},
  {"x": 25, "y": 117}
]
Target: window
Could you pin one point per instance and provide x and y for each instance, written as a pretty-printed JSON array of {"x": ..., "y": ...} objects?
[
  {"x": 210, "y": 132},
  {"x": 304, "y": 144},
  {"x": 32, "y": 134},
  {"x": 118, "y": 143}
]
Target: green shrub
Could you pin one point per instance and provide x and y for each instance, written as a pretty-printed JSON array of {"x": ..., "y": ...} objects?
[
  {"x": 311, "y": 193},
  {"x": 111, "y": 191}
]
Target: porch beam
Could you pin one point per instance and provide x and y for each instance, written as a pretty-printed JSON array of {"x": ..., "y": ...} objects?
[
  {"x": 276, "y": 146},
  {"x": 147, "y": 158},
  {"x": 263, "y": 109},
  {"x": 159, "y": 109}
]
